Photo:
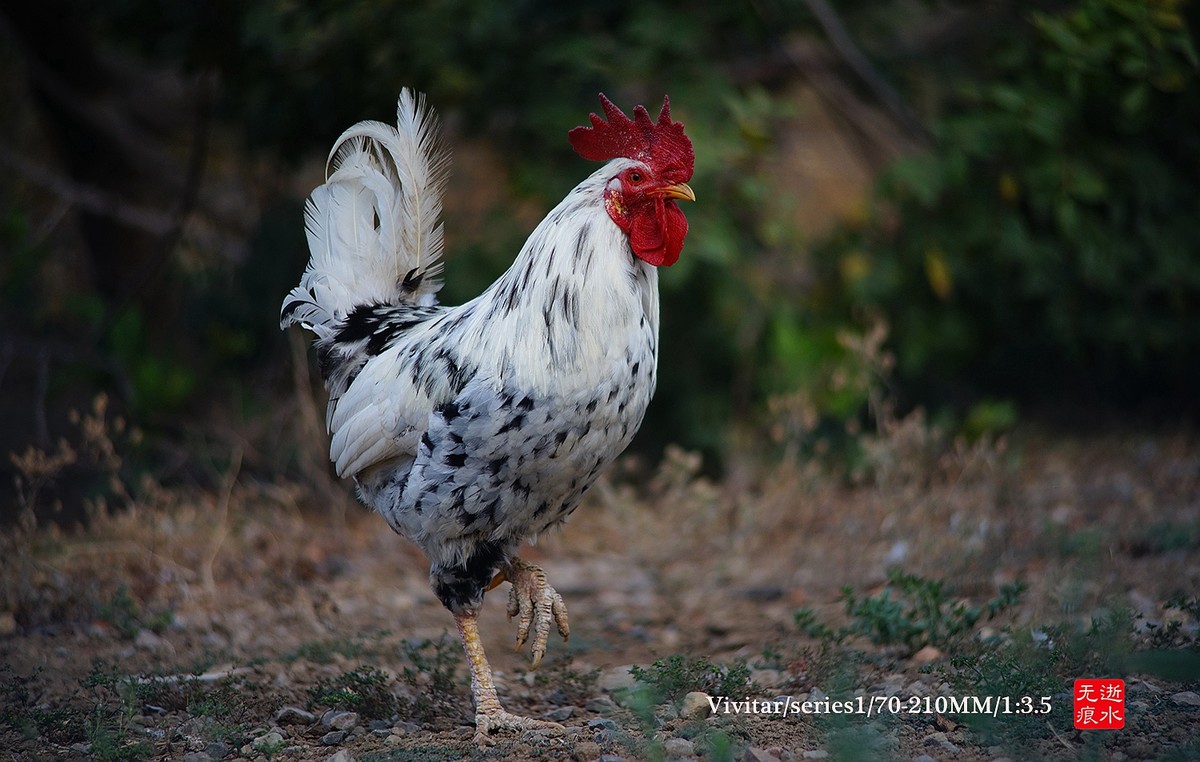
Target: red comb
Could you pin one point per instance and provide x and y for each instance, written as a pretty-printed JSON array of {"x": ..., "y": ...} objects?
[{"x": 661, "y": 144}]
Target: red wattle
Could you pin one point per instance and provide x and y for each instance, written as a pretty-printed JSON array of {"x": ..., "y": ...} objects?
[{"x": 657, "y": 233}]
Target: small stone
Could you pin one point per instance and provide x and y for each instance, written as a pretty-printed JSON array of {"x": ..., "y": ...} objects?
[
  {"x": 767, "y": 678},
  {"x": 81, "y": 747},
  {"x": 268, "y": 742},
  {"x": 403, "y": 727},
  {"x": 339, "y": 720},
  {"x": 8, "y": 623},
  {"x": 560, "y": 714},
  {"x": 602, "y": 722},
  {"x": 816, "y": 694},
  {"x": 755, "y": 754},
  {"x": 695, "y": 705},
  {"x": 587, "y": 750},
  {"x": 194, "y": 756},
  {"x": 333, "y": 738},
  {"x": 1186, "y": 698},
  {"x": 147, "y": 640},
  {"x": 601, "y": 705},
  {"x": 611, "y": 758},
  {"x": 942, "y": 741},
  {"x": 216, "y": 749},
  {"x": 343, "y": 755},
  {"x": 605, "y": 737},
  {"x": 679, "y": 748},
  {"x": 616, "y": 679},
  {"x": 918, "y": 688},
  {"x": 815, "y": 754},
  {"x": 926, "y": 655},
  {"x": 294, "y": 715},
  {"x": 923, "y": 758}
]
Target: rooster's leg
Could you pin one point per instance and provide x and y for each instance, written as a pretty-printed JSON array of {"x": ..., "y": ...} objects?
[
  {"x": 489, "y": 715},
  {"x": 533, "y": 602}
]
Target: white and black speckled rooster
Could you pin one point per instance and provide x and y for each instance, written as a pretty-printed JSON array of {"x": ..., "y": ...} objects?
[{"x": 474, "y": 428}]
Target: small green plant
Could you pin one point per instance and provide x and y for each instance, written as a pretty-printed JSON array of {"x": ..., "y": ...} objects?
[
  {"x": 111, "y": 742},
  {"x": 717, "y": 738},
  {"x": 563, "y": 684},
  {"x": 911, "y": 611},
  {"x": 364, "y": 690},
  {"x": 269, "y": 748},
  {"x": 109, "y": 726},
  {"x": 1174, "y": 635},
  {"x": 223, "y": 709},
  {"x": 1166, "y": 537},
  {"x": 772, "y": 657},
  {"x": 431, "y": 678},
  {"x": 322, "y": 652},
  {"x": 671, "y": 678},
  {"x": 21, "y": 710},
  {"x": 123, "y": 613},
  {"x": 222, "y": 701},
  {"x": 1025, "y": 663},
  {"x": 807, "y": 620}
]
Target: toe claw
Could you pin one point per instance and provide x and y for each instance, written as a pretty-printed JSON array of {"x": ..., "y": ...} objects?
[
  {"x": 537, "y": 607},
  {"x": 514, "y": 603},
  {"x": 559, "y": 609}
]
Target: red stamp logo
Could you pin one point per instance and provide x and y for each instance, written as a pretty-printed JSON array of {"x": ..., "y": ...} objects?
[{"x": 1100, "y": 704}]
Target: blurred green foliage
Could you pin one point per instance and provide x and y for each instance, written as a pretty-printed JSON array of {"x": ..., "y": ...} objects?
[
  {"x": 520, "y": 75},
  {"x": 1046, "y": 247}
]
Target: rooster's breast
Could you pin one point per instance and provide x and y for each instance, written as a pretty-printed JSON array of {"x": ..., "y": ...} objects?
[{"x": 505, "y": 461}]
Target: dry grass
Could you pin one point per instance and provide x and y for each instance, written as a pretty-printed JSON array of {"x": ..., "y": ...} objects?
[{"x": 250, "y": 575}]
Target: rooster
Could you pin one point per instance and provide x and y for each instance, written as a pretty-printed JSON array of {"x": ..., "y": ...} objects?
[{"x": 472, "y": 429}]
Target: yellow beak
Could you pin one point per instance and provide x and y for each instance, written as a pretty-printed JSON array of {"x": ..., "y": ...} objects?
[{"x": 678, "y": 190}]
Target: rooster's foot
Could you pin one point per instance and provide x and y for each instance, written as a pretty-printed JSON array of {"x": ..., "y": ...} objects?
[
  {"x": 496, "y": 718},
  {"x": 535, "y": 604}
]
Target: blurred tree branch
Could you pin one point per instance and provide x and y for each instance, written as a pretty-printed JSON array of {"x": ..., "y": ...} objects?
[
  {"x": 853, "y": 57},
  {"x": 113, "y": 124},
  {"x": 93, "y": 200}
]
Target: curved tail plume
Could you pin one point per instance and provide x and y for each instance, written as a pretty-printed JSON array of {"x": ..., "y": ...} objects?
[{"x": 373, "y": 228}]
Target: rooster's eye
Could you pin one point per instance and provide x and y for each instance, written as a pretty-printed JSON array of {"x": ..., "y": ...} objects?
[{"x": 636, "y": 177}]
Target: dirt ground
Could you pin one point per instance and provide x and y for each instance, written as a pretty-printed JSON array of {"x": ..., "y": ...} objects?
[{"x": 204, "y": 626}]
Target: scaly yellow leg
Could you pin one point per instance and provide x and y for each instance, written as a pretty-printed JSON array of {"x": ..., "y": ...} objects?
[{"x": 489, "y": 715}]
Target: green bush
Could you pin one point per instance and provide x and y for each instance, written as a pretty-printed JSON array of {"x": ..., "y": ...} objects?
[
  {"x": 1046, "y": 245},
  {"x": 912, "y": 611}
]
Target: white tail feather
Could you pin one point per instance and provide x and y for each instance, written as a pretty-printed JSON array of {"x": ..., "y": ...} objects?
[{"x": 373, "y": 229}]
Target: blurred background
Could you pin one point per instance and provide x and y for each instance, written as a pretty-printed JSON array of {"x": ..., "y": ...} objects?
[{"x": 984, "y": 210}]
